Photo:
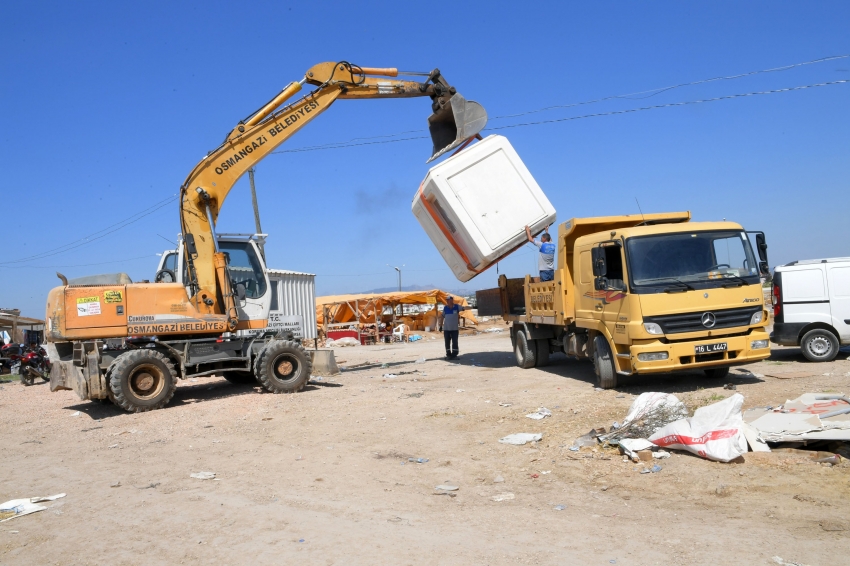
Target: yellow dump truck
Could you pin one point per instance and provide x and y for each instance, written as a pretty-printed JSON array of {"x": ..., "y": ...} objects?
[{"x": 642, "y": 294}]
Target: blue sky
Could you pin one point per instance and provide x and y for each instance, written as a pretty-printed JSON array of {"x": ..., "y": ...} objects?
[{"x": 106, "y": 107}]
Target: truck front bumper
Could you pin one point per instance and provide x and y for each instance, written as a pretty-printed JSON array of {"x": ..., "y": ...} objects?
[{"x": 682, "y": 355}]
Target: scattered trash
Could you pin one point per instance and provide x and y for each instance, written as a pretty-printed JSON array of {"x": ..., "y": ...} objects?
[
  {"x": 730, "y": 386},
  {"x": 781, "y": 562},
  {"x": 615, "y": 426},
  {"x": 342, "y": 342},
  {"x": 76, "y": 414},
  {"x": 598, "y": 389},
  {"x": 203, "y": 475},
  {"x": 504, "y": 404},
  {"x": 714, "y": 432},
  {"x": 498, "y": 479},
  {"x": 521, "y": 438},
  {"x": 812, "y": 416},
  {"x": 20, "y": 507},
  {"x": 648, "y": 413},
  {"x": 459, "y": 391},
  {"x": 631, "y": 446},
  {"x": 542, "y": 413},
  {"x": 421, "y": 360},
  {"x": 507, "y": 496},
  {"x": 414, "y": 338},
  {"x": 544, "y": 472},
  {"x": 559, "y": 507},
  {"x": 493, "y": 330},
  {"x": 574, "y": 448},
  {"x": 588, "y": 439},
  {"x": 389, "y": 376},
  {"x": 418, "y": 460},
  {"x": 654, "y": 469},
  {"x": 301, "y": 540},
  {"x": 115, "y": 484},
  {"x": 535, "y": 476},
  {"x": 661, "y": 455},
  {"x": 446, "y": 487}
]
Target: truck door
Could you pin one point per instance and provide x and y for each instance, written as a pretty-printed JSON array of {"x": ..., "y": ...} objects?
[
  {"x": 248, "y": 269},
  {"x": 839, "y": 299}
]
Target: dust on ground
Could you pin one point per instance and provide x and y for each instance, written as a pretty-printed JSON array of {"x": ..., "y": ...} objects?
[{"x": 331, "y": 475}]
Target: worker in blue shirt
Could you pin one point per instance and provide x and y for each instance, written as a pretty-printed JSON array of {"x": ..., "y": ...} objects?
[
  {"x": 546, "y": 261},
  {"x": 451, "y": 317}
]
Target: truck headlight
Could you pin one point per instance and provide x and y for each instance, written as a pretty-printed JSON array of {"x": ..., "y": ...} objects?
[
  {"x": 758, "y": 344},
  {"x": 652, "y": 356},
  {"x": 652, "y": 328},
  {"x": 757, "y": 317}
]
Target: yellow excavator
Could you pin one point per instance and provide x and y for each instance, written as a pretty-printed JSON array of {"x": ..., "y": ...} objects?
[{"x": 111, "y": 339}]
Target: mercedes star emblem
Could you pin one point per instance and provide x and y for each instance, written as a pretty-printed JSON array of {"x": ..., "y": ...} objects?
[{"x": 708, "y": 320}]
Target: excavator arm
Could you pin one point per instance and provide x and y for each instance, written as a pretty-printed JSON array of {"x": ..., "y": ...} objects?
[{"x": 454, "y": 120}]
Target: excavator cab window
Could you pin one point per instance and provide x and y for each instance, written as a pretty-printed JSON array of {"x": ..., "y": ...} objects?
[{"x": 245, "y": 268}]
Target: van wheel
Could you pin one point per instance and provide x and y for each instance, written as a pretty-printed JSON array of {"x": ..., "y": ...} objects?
[
  {"x": 541, "y": 350},
  {"x": 606, "y": 373},
  {"x": 525, "y": 350},
  {"x": 142, "y": 380},
  {"x": 283, "y": 366},
  {"x": 716, "y": 373},
  {"x": 819, "y": 345}
]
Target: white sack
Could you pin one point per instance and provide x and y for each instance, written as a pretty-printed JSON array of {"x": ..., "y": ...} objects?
[
  {"x": 648, "y": 402},
  {"x": 714, "y": 432}
]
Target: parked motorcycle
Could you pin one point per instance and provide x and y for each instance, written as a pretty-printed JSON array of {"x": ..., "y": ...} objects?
[{"x": 34, "y": 364}]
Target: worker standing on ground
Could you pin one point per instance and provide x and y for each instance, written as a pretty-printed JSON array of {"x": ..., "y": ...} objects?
[
  {"x": 451, "y": 316},
  {"x": 546, "y": 261}
]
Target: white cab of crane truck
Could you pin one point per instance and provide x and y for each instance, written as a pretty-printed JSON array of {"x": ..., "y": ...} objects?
[{"x": 811, "y": 306}]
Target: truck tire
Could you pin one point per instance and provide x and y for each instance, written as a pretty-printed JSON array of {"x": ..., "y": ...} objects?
[
  {"x": 283, "y": 366},
  {"x": 716, "y": 373},
  {"x": 239, "y": 377},
  {"x": 525, "y": 350},
  {"x": 819, "y": 345},
  {"x": 603, "y": 360},
  {"x": 541, "y": 352},
  {"x": 142, "y": 380}
]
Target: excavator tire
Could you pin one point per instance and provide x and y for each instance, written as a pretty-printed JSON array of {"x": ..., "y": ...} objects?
[
  {"x": 239, "y": 377},
  {"x": 283, "y": 366},
  {"x": 142, "y": 380}
]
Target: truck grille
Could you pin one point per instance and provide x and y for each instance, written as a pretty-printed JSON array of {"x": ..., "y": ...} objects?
[{"x": 692, "y": 321}]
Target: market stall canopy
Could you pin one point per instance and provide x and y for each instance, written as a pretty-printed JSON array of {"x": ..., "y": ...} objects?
[{"x": 363, "y": 307}]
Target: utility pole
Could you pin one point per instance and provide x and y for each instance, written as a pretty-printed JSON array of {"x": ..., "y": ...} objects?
[{"x": 256, "y": 208}]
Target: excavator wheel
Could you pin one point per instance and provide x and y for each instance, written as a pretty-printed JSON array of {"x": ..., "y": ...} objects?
[
  {"x": 283, "y": 366},
  {"x": 142, "y": 380}
]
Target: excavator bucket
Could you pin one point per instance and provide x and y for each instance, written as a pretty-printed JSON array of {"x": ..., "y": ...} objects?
[{"x": 455, "y": 123}]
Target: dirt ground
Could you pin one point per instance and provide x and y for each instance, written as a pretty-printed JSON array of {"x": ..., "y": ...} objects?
[{"x": 324, "y": 476}]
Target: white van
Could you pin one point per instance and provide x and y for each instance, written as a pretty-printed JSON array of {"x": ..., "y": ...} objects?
[{"x": 811, "y": 306}]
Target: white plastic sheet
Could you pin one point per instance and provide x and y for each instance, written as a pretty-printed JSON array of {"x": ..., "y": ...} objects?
[
  {"x": 714, "y": 432},
  {"x": 521, "y": 438}
]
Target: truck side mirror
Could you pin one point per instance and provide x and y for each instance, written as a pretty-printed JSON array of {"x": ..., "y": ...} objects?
[
  {"x": 600, "y": 268},
  {"x": 761, "y": 245},
  {"x": 240, "y": 291}
]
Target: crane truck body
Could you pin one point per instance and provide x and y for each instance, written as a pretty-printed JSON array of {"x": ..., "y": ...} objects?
[
  {"x": 642, "y": 294},
  {"x": 175, "y": 330}
]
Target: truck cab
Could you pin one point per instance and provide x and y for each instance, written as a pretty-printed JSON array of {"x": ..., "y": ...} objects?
[
  {"x": 644, "y": 294},
  {"x": 247, "y": 269}
]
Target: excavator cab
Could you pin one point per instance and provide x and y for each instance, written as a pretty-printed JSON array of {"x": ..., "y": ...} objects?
[{"x": 454, "y": 122}]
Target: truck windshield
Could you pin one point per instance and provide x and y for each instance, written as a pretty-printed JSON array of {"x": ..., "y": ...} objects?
[
  {"x": 245, "y": 267},
  {"x": 691, "y": 259}
]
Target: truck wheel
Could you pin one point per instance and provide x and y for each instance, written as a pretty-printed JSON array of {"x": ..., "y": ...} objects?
[
  {"x": 142, "y": 380},
  {"x": 603, "y": 360},
  {"x": 239, "y": 377},
  {"x": 541, "y": 351},
  {"x": 283, "y": 367},
  {"x": 716, "y": 373},
  {"x": 525, "y": 351},
  {"x": 819, "y": 345}
]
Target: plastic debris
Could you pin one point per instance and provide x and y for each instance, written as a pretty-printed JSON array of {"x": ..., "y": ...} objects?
[
  {"x": 460, "y": 391},
  {"x": 521, "y": 438},
  {"x": 656, "y": 468},
  {"x": 20, "y": 507},
  {"x": 503, "y": 404},
  {"x": 418, "y": 460},
  {"x": 446, "y": 487},
  {"x": 507, "y": 496},
  {"x": 342, "y": 342},
  {"x": 421, "y": 360},
  {"x": 542, "y": 413},
  {"x": 660, "y": 454},
  {"x": 631, "y": 446},
  {"x": 203, "y": 475},
  {"x": 559, "y": 507},
  {"x": 714, "y": 432},
  {"x": 389, "y": 376}
]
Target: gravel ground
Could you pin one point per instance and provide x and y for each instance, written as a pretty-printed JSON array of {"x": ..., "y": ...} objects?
[{"x": 331, "y": 475}]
